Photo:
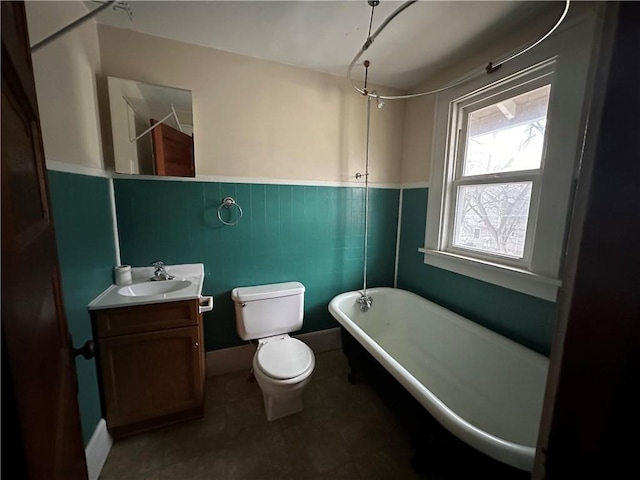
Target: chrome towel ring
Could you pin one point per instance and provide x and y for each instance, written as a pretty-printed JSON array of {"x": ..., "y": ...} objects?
[{"x": 229, "y": 202}]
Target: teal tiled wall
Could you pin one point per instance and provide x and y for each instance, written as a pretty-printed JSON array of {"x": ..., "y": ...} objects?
[
  {"x": 310, "y": 234},
  {"x": 523, "y": 318},
  {"x": 84, "y": 236}
]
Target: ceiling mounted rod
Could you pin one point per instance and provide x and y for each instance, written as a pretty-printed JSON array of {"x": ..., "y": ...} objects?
[
  {"x": 79, "y": 21},
  {"x": 490, "y": 68}
]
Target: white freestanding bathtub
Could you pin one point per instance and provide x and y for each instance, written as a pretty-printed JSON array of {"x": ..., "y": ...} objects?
[{"x": 484, "y": 388}]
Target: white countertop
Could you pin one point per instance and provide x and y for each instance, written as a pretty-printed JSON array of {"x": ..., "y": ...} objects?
[{"x": 191, "y": 272}]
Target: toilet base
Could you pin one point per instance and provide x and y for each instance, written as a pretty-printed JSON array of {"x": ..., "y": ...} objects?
[
  {"x": 278, "y": 407},
  {"x": 282, "y": 397}
]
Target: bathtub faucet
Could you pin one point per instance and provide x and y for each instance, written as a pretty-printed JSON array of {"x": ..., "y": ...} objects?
[{"x": 365, "y": 302}]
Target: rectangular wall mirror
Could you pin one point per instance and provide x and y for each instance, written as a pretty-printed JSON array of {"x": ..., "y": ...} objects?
[{"x": 152, "y": 128}]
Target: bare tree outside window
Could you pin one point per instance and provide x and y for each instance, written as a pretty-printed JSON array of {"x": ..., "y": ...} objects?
[{"x": 499, "y": 211}]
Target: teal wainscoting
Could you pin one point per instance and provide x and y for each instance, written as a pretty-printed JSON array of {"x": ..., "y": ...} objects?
[
  {"x": 84, "y": 234},
  {"x": 311, "y": 234},
  {"x": 523, "y": 318}
]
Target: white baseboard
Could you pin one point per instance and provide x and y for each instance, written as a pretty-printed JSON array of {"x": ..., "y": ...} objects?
[
  {"x": 234, "y": 359},
  {"x": 98, "y": 449}
]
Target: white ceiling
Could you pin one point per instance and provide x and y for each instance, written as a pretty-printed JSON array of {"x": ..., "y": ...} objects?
[{"x": 325, "y": 35}]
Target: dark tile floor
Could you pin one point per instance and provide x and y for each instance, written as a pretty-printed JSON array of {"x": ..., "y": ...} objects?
[{"x": 344, "y": 432}]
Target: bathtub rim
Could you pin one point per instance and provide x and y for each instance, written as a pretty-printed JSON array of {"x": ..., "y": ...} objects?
[{"x": 511, "y": 453}]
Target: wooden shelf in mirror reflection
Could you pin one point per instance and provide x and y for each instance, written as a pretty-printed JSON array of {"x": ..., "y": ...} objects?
[{"x": 172, "y": 151}]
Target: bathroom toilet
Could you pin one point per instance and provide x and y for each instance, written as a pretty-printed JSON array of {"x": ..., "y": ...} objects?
[{"x": 282, "y": 365}]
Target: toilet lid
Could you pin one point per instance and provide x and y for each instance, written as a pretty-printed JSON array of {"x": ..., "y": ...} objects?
[{"x": 286, "y": 358}]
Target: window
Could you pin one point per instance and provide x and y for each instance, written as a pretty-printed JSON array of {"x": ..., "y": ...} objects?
[
  {"x": 497, "y": 163},
  {"x": 504, "y": 162}
]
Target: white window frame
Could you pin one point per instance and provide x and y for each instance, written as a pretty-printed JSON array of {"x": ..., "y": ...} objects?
[
  {"x": 563, "y": 61},
  {"x": 458, "y": 114}
]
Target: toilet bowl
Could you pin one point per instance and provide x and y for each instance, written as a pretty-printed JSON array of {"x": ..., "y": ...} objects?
[{"x": 282, "y": 365}]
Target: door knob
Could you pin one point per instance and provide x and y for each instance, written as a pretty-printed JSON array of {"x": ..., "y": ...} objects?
[{"x": 86, "y": 350}]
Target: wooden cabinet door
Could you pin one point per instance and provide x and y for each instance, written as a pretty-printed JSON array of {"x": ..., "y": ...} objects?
[{"x": 148, "y": 377}]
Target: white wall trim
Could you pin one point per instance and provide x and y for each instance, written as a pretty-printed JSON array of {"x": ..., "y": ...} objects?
[
  {"x": 398, "y": 235},
  {"x": 410, "y": 185},
  {"x": 78, "y": 169},
  {"x": 290, "y": 181},
  {"x": 507, "y": 277},
  {"x": 98, "y": 449},
  {"x": 227, "y": 360},
  {"x": 114, "y": 219},
  {"x": 258, "y": 180},
  {"x": 96, "y": 172}
]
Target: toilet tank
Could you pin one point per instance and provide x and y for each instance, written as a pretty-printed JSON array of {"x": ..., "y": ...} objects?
[{"x": 266, "y": 310}]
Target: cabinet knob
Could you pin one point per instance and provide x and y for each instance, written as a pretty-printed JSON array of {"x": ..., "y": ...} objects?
[{"x": 196, "y": 345}]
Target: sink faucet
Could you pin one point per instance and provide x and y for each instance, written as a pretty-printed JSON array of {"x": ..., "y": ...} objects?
[{"x": 160, "y": 273}]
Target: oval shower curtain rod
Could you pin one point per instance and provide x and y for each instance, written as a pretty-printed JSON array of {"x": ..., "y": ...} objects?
[
  {"x": 490, "y": 68},
  {"x": 119, "y": 4}
]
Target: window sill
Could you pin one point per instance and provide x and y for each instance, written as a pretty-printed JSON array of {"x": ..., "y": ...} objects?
[{"x": 507, "y": 277}]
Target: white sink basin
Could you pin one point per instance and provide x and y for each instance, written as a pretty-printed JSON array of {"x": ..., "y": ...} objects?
[
  {"x": 186, "y": 286},
  {"x": 147, "y": 289}
]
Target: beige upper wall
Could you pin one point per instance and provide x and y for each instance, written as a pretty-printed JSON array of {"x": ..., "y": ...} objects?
[
  {"x": 252, "y": 118},
  {"x": 259, "y": 119},
  {"x": 66, "y": 73},
  {"x": 419, "y": 113}
]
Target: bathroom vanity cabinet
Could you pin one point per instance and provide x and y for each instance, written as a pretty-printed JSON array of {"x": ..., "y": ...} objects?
[{"x": 151, "y": 364}]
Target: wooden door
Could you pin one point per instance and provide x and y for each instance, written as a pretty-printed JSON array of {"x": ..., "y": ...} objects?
[
  {"x": 40, "y": 376},
  {"x": 172, "y": 152}
]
